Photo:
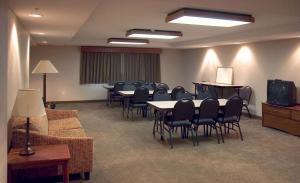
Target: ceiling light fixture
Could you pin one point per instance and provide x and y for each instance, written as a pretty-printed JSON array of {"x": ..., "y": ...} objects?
[
  {"x": 127, "y": 41},
  {"x": 36, "y": 13},
  {"x": 208, "y": 18},
  {"x": 155, "y": 34}
]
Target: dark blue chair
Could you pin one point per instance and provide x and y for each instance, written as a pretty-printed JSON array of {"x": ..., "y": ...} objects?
[
  {"x": 184, "y": 95},
  {"x": 159, "y": 95},
  {"x": 176, "y": 90},
  {"x": 231, "y": 115},
  {"x": 208, "y": 113},
  {"x": 182, "y": 116},
  {"x": 139, "y": 101},
  {"x": 115, "y": 96}
]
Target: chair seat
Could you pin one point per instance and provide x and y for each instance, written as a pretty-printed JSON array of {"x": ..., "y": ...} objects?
[
  {"x": 178, "y": 123},
  {"x": 139, "y": 104},
  {"x": 205, "y": 121},
  {"x": 227, "y": 119}
]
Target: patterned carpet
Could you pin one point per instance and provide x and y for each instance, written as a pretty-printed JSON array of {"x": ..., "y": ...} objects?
[{"x": 127, "y": 152}]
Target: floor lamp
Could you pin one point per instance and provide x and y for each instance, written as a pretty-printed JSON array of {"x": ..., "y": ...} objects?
[{"x": 44, "y": 67}]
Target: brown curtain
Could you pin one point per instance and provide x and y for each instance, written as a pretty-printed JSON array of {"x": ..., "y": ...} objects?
[
  {"x": 100, "y": 67},
  {"x": 142, "y": 66}
]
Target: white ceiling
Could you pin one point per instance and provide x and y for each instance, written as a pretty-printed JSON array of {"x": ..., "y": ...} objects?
[{"x": 91, "y": 22}]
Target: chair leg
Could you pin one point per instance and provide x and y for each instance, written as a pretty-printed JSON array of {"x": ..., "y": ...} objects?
[
  {"x": 131, "y": 114},
  {"x": 128, "y": 108},
  {"x": 217, "y": 133},
  {"x": 196, "y": 132},
  {"x": 193, "y": 136},
  {"x": 154, "y": 125},
  {"x": 248, "y": 111},
  {"x": 242, "y": 138},
  {"x": 170, "y": 138},
  {"x": 220, "y": 126}
]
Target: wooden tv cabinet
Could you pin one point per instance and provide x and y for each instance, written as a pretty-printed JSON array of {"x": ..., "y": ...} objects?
[{"x": 283, "y": 118}]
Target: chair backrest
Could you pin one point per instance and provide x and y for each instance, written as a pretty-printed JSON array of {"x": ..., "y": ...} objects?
[
  {"x": 209, "y": 108},
  {"x": 184, "y": 95},
  {"x": 160, "y": 95},
  {"x": 149, "y": 86},
  {"x": 137, "y": 84},
  {"x": 129, "y": 87},
  {"x": 153, "y": 84},
  {"x": 162, "y": 85},
  {"x": 160, "y": 90},
  {"x": 245, "y": 93},
  {"x": 118, "y": 86},
  {"x": 201, "y": 94},
  {"x": 212, "y": 92},
  {"x": 233, "y": 107},
  {"x": 183, "y": 110},
  {"x": 141, "y": 95},
  {"x": 175, "y": 91}
]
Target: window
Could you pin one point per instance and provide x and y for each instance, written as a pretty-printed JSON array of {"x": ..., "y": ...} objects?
[{"x": 104, "y": 65}]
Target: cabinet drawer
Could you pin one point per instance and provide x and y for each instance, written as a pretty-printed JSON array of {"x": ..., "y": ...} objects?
[
  {"x": 296, "y": 115},
  {"x": 283, "y": 124},
  {"x": 276, "y": 111}
]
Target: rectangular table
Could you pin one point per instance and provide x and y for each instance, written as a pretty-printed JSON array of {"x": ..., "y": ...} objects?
[
  {"x": 128, "y": 94},
  {"x": 165, "y": 106},
  {"x": 217, "y": 85}
]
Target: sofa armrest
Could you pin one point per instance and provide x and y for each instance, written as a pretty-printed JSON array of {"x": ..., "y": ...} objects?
[
  {"x": 81, "y": 148},
  {"x": 55, "y": 114}
]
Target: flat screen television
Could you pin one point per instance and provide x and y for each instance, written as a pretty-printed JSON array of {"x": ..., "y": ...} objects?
[{"x": 282, "y": 93}]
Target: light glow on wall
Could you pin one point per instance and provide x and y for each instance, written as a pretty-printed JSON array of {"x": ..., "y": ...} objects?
[
  {"x": 244, "y": 55},
  {"x": 209, "y": 66}
]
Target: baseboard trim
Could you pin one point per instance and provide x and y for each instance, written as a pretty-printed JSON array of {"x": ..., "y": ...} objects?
[{"x": 76, "y": 101}]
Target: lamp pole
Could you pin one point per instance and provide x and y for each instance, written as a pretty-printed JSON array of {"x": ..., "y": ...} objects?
[{"x": 44, "y": 89}]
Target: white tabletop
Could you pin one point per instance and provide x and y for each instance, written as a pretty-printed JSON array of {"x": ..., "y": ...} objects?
[
  {"x": 218, "y": 84},
  {"x": 109, "y": 87},
  {"x": 130, "y": 93},
  {"x": 166, "y": 105}
]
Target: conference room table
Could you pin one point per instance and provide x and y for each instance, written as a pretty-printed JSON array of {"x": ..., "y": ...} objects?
[
  {"x": 222, "y": 86},
  {"x": 128, "y": 94},
  {"x": 166, "y": 106}
]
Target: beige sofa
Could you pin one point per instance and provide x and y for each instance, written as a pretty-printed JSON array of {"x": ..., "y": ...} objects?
[{"x": 58, "y": 127}]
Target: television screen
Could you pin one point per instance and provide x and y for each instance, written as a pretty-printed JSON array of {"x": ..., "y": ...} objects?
[{"x": 282, "y": 93}]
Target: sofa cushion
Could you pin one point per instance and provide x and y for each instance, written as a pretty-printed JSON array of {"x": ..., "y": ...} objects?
[
  {"x": 64, "y": 124},
  {"x": 37, "y": 124},
  {"x": 68, "y": 133}
]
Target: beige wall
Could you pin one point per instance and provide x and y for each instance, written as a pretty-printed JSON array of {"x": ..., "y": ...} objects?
[
  {"x": 3, "y": 102},
  {"x": 253, "y": 65},
  {"x": 14, "y": 74},
  {"x": 65, "y": 86}
]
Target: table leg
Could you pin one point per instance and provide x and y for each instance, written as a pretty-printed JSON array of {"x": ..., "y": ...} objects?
[
  {"x": 195, "y": 91},
  {"x": 124, "y": 101},
  {"x": 162, "y": 126},
  {"x": 66, "y": 172}
]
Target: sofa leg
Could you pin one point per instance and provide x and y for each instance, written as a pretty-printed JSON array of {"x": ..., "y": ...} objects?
[{"x": 87, "y": 175}]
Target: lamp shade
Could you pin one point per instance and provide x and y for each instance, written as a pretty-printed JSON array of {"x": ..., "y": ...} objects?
[
  {"x": 29, "y": 103},
  {"x": 44, "y": 66}
]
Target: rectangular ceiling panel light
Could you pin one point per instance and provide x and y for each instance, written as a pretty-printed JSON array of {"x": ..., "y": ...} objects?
[
  {"x": 127, "y": 41},
  {"x": 208, "y": 18},
  {"x": 155, "y": 34}
]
